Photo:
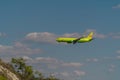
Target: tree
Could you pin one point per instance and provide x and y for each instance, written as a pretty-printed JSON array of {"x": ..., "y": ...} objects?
[
  {"x": 39, "y": 75},
  {"x": 26, "y": 72}
]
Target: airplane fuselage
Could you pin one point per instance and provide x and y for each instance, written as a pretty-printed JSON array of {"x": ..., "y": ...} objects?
[
  {"x": 76, "y": 40},
  {"x": 70, "y": 40}
]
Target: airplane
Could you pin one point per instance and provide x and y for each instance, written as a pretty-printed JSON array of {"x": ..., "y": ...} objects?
[{"x": 82, "y": 39}]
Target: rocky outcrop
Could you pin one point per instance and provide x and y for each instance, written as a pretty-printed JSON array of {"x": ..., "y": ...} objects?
[{"x": 8, "y": 74}]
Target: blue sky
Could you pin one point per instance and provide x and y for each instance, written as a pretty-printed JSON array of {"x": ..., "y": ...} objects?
[{"x": 29, "y": 29}]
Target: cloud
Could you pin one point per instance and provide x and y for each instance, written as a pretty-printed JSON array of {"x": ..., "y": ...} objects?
[
  {"x": 27, "y": 58},
  {"x": 79, "y": 73},
  {"x": 58, "y": 68},
  {"x": 61, "y": 63},
  {"x": 115, "y": 35},
  {"x": 116, "y": 6},
  {"x": 65, "y": 74},
  {"x": 69, "y": 75},
  {"x": 72, "y": 64},
  {"x": 41, "y": 37},
  {"x": 71, "y": 35},
  {"x": 2, "y": 34},
  {"x": 18, "y": 48},
  {"x": 61, "y": 68},
  {"x": 46, "y": 60},
  {"x": 75, "y": 74},
  {"x": 92, "y": 60},
  {"x": 53, "y": 63},
  {"x": 112, "y": 68},
  {"x": 47, "y": 37},
  {"x": 96, "y": 34},
  {"x": 118, "y": 57},
  {"x": 118, "y": 51},
  {"x": 101, "y": 36}
]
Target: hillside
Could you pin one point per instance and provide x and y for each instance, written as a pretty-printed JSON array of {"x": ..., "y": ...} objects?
[
  {"x": 18, "y": 70},
  {"x": 7, "y": 72}
]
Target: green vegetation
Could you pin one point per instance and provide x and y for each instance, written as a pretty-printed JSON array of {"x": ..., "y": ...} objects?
[
  {"x": 26, "y": 72},
  {"x": 2, "y": 77},
  {"x": 22, "y": 71}
]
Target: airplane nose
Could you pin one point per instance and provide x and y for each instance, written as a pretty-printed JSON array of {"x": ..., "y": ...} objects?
[{"x": 57, "y": 39}]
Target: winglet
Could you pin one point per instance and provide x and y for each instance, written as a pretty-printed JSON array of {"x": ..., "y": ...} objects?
[{"x": 90, "y": 35}]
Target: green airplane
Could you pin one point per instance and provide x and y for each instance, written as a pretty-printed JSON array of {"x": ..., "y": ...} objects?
[{"x": 76, "y": 40}]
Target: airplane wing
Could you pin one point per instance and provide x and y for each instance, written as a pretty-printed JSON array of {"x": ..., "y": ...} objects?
[{"x": 75, "y": 41}]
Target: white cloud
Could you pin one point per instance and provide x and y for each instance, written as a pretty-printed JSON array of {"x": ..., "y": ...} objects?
[
  {"x": 101, "y": 36},
  {"x": 74, "y": 73},
  {"x": 71, "y": 35},
  {"x": 47, "y": 37},
  {"x": 79, "y": 73},
  {"x": 115, "y": 35},
  {"x": 46, "y": 60},
  {"x": 59, "y": 68},
  {"x": 116, "y": 6},
  {"x": 93, "y": 60},
  {"x": 118, "y": 51},
  {"x": 55, "y": 62},
  {"x": 72, "y": 64},
  {"x": 69, "y": 75},
  {"x": 2, "y": 34},
  {"x": 96, "y": 34},
  {"x": 27, "y": 58},
  {"x": 118, "y": 57},
  {"x": 112, "y": 68},
  {"x": 41, "y": 37},
  {"x": 65, "y": 74},
  {"x": 18, "y": 48}
]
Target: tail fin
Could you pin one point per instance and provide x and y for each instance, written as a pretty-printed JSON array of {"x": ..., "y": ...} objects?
[{"x": 90, "y": 35}]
